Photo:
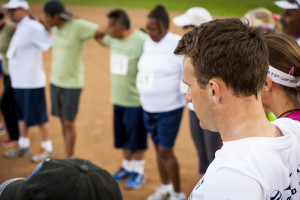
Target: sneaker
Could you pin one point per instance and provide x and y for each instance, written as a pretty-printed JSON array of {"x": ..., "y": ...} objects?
[
  {"x": 135, "y": 181},
  {"x": 43, "y": 155},
  {"x": 177, "y": 196},
  {"x": 9, "y": 142},
  {"x": 19, "y": 152},
  {"x": 122, "y": 174},
  {"x": 161, "y": 193}
]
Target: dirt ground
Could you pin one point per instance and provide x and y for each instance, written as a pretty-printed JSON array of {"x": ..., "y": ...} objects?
[{"x": 94, "y": 120}]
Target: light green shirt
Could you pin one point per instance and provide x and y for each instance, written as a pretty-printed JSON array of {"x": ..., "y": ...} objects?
[
  {"x": 125, "y": 52},
  {"x": 6, "y": 34},
  {"x": 67, "y": 52}
]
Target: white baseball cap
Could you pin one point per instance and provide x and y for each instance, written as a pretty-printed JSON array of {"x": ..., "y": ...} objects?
[
  {"x": 193, "y": 16},
  {"x": 288, "y": 5},
  {"x": 13, "y": 4}
]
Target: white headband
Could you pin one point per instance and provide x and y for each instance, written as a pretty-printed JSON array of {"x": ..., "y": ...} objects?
[{"x": 283, "y": 78}]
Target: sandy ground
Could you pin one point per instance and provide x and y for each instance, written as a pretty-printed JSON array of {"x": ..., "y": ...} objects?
[{"x": 94, "y": 120}]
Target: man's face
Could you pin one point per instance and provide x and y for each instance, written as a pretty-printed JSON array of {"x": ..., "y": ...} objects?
[
  {"x": 197, "y": 95},
  {"x": 16, "y": 14},
  {"x": 51, "y": 20},
  {"x": 290, "y": 20},
  {"x": 114, "y": 30}
]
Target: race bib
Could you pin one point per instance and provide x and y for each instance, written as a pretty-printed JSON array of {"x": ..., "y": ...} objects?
[
  {"x": 144, "y": 80},
  {"x": 11, "y": 49},
  {"x": 119, "y": 64}
]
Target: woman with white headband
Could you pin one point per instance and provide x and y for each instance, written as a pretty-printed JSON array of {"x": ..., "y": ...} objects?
[{"x": 281, "y": 92}]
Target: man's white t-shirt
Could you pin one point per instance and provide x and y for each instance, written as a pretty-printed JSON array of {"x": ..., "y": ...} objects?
[
  {"x": 159, "y": 76},
  {"x": 257, "y": 168},
  {"x": 298, "y": 41},
  {"x": 25, "y": 54}
]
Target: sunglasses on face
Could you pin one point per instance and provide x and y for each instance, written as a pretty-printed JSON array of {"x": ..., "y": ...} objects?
[{"x": 294, "y": 2}]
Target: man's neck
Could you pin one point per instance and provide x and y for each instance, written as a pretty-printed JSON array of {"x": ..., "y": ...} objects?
[
  {"x": 245, "y": 118},
  {"x": 61, "y": 22},
  {"x": 126, "y": 33}
]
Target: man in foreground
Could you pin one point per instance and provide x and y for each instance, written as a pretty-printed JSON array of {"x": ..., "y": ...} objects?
[{"x": 225, "y": 66}]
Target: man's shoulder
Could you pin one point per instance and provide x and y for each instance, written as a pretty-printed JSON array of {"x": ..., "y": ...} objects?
[
  {"x": 140, "y": 35},
  {"x": 34, "y": 25}
]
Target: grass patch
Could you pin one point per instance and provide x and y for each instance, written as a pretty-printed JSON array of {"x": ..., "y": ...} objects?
[{"x": 216, "y": 7}]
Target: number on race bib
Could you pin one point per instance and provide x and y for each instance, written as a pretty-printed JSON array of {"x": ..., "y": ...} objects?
[
  {"x": 119, "y": 64},
  {"x": 145, "y": 80}
]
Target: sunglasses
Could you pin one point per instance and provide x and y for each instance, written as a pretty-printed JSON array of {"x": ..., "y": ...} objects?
[{"x": 294, "y": 2}]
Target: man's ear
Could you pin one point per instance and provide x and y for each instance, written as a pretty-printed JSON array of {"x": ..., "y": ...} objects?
[
  {"x": 268, "y": 84},
  {"x": 214, "y": 90}
]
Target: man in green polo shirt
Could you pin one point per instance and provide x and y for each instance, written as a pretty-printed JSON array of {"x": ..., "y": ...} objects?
[
  {"x": 66, "y": 78},
  {"x": 126, "y": 47}
]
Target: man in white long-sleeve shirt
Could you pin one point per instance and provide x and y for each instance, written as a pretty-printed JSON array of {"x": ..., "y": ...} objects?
[{"x": 28, "y": 79}]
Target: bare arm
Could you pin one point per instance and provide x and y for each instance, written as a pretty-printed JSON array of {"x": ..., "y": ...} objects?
[{"x": 100, "y": 33}]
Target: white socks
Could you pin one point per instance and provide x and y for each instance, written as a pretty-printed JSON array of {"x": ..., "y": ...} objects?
[
  {"x": 24, "y": 142},
  {"x": 138, "y": 166},
  {"x": 167, "y": 187},
  {"x": 47, "y": 145},
  {"x": 127, "y": 164},
  {"x": 134, "y": 165}
]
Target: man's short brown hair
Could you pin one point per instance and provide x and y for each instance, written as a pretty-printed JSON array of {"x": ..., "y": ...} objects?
[{"x": 228, "y": 49}]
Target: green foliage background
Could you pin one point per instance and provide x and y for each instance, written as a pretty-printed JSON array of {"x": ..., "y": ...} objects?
[{"x": 215, "y": 7}]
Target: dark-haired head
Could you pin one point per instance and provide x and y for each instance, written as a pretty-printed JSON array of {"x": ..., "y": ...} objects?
[
  {"x": 158, "y": 23},
  {"x": 228, "y": 49},
  {"x": 118, "y": 23},
  {"x": 120, "y": 18},
  {"x": 160, "y": 14}
]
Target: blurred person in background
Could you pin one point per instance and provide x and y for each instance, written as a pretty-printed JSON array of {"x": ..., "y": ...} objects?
[
  {"x": 67, "y": 71},
  {"x": 7, "y": 103},
  {"x": 281, "y": 91},
  {"x": 28, "y": 79},
  {"x": 263, "y": 19},
  {"x": 158, "y": 82},
  {"x": 206, "y": 142},
  {"x": 290, "y": 17},
  {"x": 126, "y": 47}
]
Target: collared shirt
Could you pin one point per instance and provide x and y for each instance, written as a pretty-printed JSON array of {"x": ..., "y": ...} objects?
[{"x": 25, "y": 54}]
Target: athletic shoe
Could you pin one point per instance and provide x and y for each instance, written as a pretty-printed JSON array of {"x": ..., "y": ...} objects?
[
  {"x": 135, "y": 181},
  {"x": 161, "y": 193},
  {"x": 19, "y": 152},
  {"x": 43, "y": 155},
  {"x": 177, "y": 196},
  {"x": 122, "y": 174},
  {"x": 9, "y": 142}
]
